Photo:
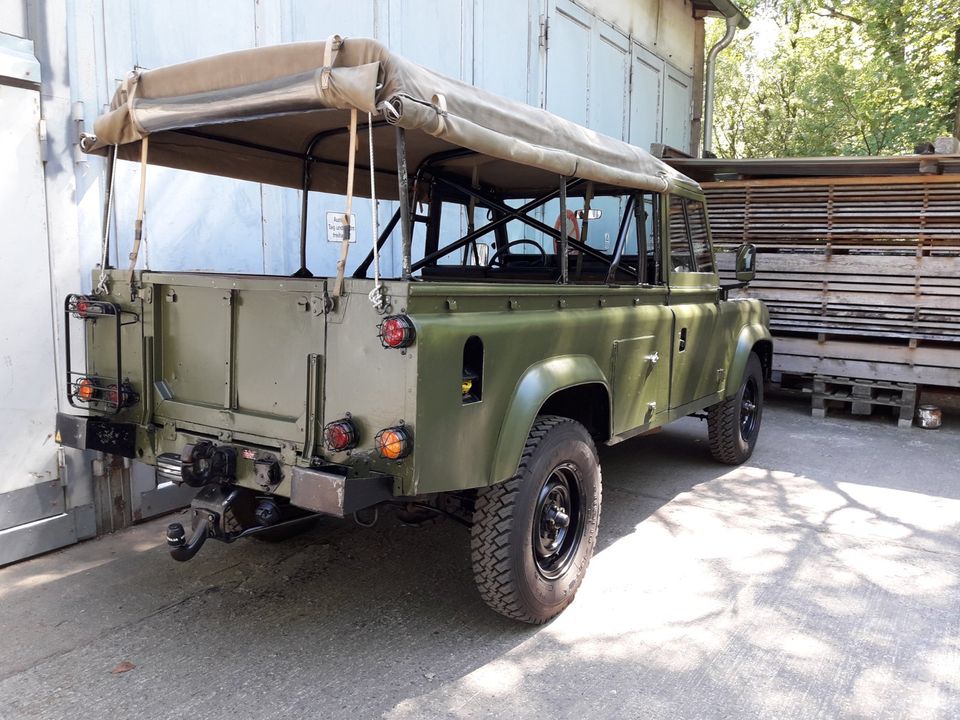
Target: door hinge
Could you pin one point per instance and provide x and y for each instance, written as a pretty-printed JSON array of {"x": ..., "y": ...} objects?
[
  {"x": 78, "y": 118},
  {"x": 544, "y": 39},
  {"x": 42, "y": 136}
]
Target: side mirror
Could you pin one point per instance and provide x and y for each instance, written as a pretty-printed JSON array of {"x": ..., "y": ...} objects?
[{"x": 746, "y": 263}]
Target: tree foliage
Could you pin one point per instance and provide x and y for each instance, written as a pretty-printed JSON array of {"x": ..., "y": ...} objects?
[{"x": 837, "y": 77}]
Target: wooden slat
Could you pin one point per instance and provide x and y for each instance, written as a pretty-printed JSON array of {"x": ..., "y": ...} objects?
[{"x": 853, "y": 261}]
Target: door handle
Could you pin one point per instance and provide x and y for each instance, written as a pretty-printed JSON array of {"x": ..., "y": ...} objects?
[{"x": 683, "y": 340}]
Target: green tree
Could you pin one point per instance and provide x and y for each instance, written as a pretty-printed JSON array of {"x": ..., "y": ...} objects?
[{"x": 848, "y": 77}]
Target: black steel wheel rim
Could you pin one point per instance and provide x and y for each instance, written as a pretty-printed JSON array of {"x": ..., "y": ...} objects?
[
  {"x": 558, "y": 521},
  {"x": 749, "y": 411}
]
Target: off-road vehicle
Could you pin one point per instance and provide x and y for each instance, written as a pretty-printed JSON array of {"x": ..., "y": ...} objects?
[{"x": 557, "y": 289}]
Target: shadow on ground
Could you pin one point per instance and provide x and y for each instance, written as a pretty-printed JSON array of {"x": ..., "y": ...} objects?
[{"x": 819, "y": 580}]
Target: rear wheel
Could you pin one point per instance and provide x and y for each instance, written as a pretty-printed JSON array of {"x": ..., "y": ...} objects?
[
  {"x": 734, "y": 424},
  {"x": 533, "y": 535}
]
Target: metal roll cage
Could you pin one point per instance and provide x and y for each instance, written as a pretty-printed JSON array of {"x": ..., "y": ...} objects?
[{"x": 484, "y": 197}]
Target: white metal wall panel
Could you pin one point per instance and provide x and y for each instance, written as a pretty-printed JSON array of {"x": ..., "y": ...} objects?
[
  {"x": 28, "y": 367},
  {"x": 501, "y": 47},
  {"x": 568, "y": 62},
  {"x": 609, "y": 81},
  {"x": 28, "y": 388},
  {"x": 646, "y": 97},
  {"x": 677, "y": 106}
]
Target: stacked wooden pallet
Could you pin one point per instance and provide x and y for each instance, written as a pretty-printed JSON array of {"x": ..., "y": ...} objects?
[
  {"x": 863, "y": 397},
  {"x": 861, "y": 274}
]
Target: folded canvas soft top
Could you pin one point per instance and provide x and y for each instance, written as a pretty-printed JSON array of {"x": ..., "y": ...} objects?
[{"x": 255, "y": 114}]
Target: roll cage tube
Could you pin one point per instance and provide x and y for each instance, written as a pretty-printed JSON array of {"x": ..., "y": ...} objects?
[{"x": 506, "y": 213}]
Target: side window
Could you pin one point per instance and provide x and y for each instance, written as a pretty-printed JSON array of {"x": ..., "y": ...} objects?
[
  {"x": 697, "y": 219},
  {"x": 681, "y": 258}
]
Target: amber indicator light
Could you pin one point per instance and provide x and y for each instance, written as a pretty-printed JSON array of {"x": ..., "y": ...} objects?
[
  {"x": 86, "y": 390},
  {"x": 393, "y": 443}
]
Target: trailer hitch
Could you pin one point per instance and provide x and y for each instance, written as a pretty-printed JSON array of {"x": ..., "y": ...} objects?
[
  {"x": 227, "y": 514},
  {"x": 182, "y": 550}
]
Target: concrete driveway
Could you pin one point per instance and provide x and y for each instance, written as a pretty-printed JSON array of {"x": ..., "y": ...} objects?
[{"x": 818, "y": 581}]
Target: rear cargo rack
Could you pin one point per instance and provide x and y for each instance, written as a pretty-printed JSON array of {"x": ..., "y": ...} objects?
[{"x": 105, "y": 394}]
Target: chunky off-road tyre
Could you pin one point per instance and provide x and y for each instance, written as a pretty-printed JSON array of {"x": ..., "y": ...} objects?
[
  {"x": 734, "y": 424},
  {"x": 533, "y": 535}
]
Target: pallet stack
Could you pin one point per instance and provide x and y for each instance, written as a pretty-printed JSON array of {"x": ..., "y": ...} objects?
[{"x": 861, "y": 274}]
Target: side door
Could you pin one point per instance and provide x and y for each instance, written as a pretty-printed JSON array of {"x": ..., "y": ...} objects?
[
  {"x": 641, "y": 354},
  {"x": 696, "y": 356}
]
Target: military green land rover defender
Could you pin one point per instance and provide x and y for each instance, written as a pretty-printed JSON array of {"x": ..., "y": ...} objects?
[{"x": 557, "y": 289}]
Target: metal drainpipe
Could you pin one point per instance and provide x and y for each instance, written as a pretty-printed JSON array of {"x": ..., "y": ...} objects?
[{"x": 711, "y": 80}]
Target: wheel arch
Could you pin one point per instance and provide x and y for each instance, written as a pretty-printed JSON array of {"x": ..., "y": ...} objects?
[
  {"x": 571, "y": 386},
  {"x": 754, "y": 338}
]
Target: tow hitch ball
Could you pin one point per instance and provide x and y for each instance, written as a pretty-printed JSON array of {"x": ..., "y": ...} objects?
[{"x": 180, "y": 548}]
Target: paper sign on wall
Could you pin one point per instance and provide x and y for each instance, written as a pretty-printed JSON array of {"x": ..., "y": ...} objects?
[{"x": 335, "y": 227}]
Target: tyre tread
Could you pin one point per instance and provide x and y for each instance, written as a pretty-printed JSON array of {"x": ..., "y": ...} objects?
[{"x": 492, "y": 526}]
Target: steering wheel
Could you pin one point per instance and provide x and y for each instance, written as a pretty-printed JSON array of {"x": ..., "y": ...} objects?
[{"x": 497, "y": 260}]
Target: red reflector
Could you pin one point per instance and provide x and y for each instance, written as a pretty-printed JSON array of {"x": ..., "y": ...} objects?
[
  {"x": 340, "y": 435},
  {"x": 396, "y": 331}
]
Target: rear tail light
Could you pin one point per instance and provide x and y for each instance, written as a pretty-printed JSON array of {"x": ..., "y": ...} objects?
[
  {"x": 84, "y": 307},
  {"x": 121, "y": 397},
  {"x": 393, "y": 443},
  {"x": 340, "y": 435},
  {"x": 86, "y": 390},
  {"x": 396, "y": 331}
]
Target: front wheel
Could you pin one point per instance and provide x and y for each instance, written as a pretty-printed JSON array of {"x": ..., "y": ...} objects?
[
  {"x": 533, "y": 535},
  {"x": 734, "y": 424}
]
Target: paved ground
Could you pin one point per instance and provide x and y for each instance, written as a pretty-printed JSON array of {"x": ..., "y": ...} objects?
[{"x": 819, "y": 581}]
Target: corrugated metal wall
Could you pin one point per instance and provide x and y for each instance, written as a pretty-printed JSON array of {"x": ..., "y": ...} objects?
[{"x": 632, "y": 81}]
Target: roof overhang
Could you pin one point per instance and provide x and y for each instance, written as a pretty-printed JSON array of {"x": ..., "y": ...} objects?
[
  {"x": 725, "y": 8},
  {"x": 716, "y": 169}
]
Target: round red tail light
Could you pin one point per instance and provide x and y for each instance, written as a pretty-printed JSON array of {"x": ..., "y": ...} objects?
[
  {"x": 121, "y": 397},
  {"x": 393, "y": 443},
  {"x": 340, "y": 435},
  {"x": 396, "y": 331}
]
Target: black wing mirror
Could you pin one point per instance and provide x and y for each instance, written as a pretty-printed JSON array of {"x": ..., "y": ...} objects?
[
  {"x": 746, "y": 267},
  {"x": 746, "y": 263}
]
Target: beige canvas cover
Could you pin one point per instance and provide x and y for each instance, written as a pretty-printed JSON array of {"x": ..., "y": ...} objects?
[{"x": 253, "y": 114}]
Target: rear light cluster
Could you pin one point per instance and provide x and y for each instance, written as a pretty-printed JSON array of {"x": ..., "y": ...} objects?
[
  {"x": 85, "y": 307},
  {"x": 92, "y": 390},
  {"x": 392, "y": 443},
  {"x": 341, "y": 435},
  {"x": 396, "y": 331}
]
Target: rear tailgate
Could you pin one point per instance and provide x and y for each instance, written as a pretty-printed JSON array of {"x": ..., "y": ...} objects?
[{"x": 237, "y": 355}]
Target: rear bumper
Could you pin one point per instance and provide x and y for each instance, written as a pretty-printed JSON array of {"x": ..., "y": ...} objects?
[
  {"x": 330, "y": 491},
  {"x": 95, "y": 433}
]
